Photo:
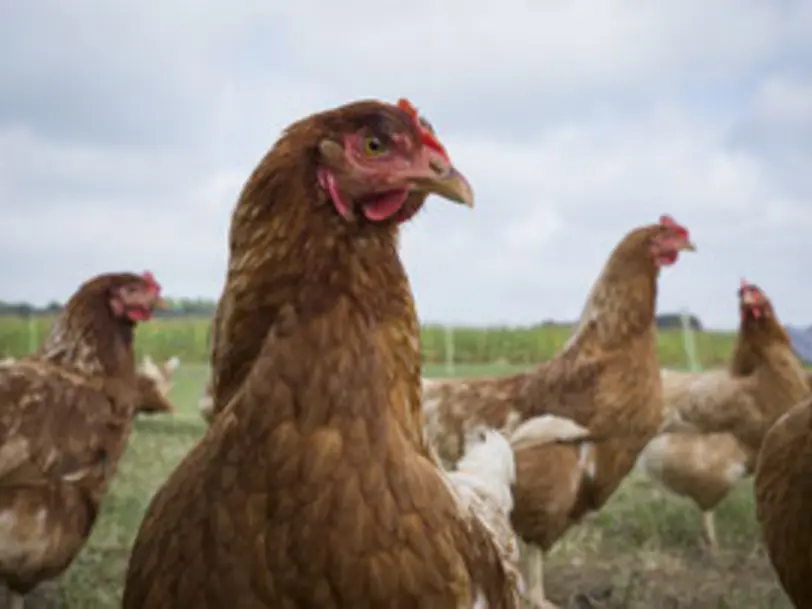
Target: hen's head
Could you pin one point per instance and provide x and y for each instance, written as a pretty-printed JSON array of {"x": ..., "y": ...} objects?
[
  {"x": 667, "y": 240},
  {"x": 376, "y": 162},
  {"x": 134, "y": 297},
  {"x": 753, "y": 303},
  {"x": 129, "y": 297}
]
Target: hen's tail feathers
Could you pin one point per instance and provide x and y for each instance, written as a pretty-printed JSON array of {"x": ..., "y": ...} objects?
[
  {"x": 150, "y": 368},
  {"x": 548, "y": 429},
  {"x": 552, "y": 429},
  {"x": 172, "y": 364}
]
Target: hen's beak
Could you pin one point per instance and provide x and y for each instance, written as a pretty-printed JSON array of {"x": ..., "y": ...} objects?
[
  {"x": 748, "y": 299},
  {"x": 688, "y": 246},
  {"x": 442, "y": 178}
]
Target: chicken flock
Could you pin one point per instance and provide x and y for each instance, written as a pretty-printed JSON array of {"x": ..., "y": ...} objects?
[{"x": 332, "y": 475}]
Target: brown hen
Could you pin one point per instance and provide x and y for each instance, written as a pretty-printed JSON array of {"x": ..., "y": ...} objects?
[
  {"x": 604, "y": 384},
  {"x": 153, "y": 400},
  {"x": 65, "y": 416},
  {"x": 155, "y": 383},
  {"x": 714, "y": 422},
  {"x": 313, "y": 487},
  {"x": 783, "y": 491}
]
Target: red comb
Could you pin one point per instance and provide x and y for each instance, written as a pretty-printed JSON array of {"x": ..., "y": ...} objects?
[
  {"x": 749, "y": 288},
  {"x": 150, "y": 279},
  {"x": 669, "y": 222},
  {"x": 429, "y": 138}
]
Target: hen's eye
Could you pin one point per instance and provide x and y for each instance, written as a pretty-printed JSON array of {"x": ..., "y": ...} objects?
[{"x": 373, "y": 146}]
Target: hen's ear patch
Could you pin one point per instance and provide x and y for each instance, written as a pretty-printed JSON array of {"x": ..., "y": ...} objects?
[{"x": 116, "y": 305}]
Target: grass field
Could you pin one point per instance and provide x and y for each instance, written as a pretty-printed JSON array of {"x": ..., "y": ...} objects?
[
  {"x": 187, "y": 337},
  {"x": 644, "y": 549}
]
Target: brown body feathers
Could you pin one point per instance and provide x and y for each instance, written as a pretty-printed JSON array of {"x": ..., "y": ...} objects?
[
  {"x": 783, "y": 491},
  {"x": 714, "y": 422},
  {"x": 65, "y": 415},
  {"x": 312, "y": 487},
  {"x": 155, "y": 383},
  {"x": 606, "y": 380}
]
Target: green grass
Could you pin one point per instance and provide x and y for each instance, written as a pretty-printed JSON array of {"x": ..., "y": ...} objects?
[
  {"x": 187, "y": 338},
  {"x": 645, "y": 547}
]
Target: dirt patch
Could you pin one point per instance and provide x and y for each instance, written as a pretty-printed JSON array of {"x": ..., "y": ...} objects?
[
  {"x": 44, "y": 596},
  {"x": 677, "y": 580}
]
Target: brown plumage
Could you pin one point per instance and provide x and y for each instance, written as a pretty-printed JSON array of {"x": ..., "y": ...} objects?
[
  {"x": 155, "y": 383},
  {"x": 244, "y": 314},
  {"x": 606, "y": 380},
  {"x": 65, "y": 416},
  {"x": 313, "y": 487},
  {"x": 714, "y": 422},
  {"x": 783, "y": 491},
  {"x": 153, "y": 400}
]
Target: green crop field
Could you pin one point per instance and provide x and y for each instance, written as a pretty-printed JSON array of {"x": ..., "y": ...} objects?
[
  {"x": 188, "y": 339},
  {"x": 644, "y": 550}
]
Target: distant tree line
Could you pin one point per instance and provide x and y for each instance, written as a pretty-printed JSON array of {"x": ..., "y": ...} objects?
[
  {"x": 666, "y": 321},
  {"x": 200, "y": 307},
  {"x": 178, "y": 307}
]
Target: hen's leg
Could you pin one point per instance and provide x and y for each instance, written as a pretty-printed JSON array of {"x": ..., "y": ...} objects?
[
  {"x": 15, "y": 601},
  {"x": 710, "y": 530},
  {"x": 534, "y": 576}
]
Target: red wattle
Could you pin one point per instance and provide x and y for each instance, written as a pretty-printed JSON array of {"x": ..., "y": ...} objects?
[{"x": 384, "y": 206}]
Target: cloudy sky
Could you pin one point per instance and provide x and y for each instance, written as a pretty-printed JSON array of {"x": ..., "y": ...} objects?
[{"x": 128, "y": 128}]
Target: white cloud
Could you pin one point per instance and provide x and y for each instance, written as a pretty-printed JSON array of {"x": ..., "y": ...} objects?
[
  {"x": 126, "y": 133},
  {"x": 784, "y": 100}
]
